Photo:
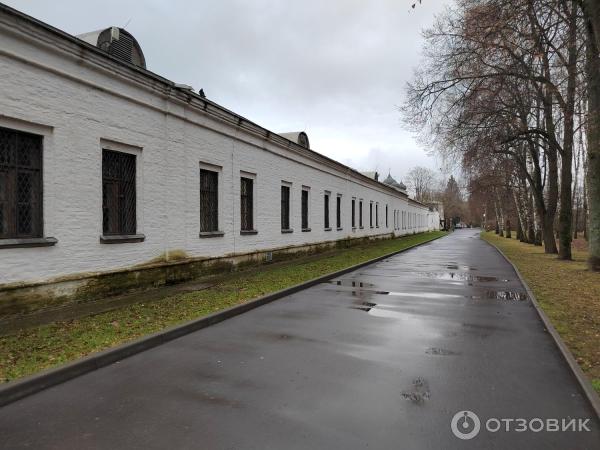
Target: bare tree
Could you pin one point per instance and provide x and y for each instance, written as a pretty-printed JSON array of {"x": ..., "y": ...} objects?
[{"x": 422, "y": 181}]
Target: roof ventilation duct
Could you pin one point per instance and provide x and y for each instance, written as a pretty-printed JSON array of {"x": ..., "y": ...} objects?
[{"x": 118, "y": 43}]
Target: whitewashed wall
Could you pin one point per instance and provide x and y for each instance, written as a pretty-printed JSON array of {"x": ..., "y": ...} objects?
[{"x": 80, "y": 102}]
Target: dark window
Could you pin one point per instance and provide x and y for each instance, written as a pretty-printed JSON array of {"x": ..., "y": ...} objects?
[
  {"x": 118, "y": 193},
  {"x": 304, "y": 209},
  {"x": 360, "y": 214},
  {"x": 246, "y": 204},
  {"x": 338, "y": 212},
  {"x": 371, "y": 214},
  {"x": 326, "y": 210},
  {"x": 377, "y": 215},
  {"x": 209, "y": 200},
  {"x": 20, "y": 185},
  {"x": 285, "y": 207},
  {"x": 386, "y": 216},
  {"x": 353, "y": 210}
]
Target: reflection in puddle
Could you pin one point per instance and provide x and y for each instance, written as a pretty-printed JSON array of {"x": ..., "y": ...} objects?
[
  {"x": 432, "y": 295},
  {"x": 459, "y": 267},
  {"x": 511, "y": 296},
  {"x": 351, "y": 283},
  {"x": 439, "y": 351},
  {"x": 461, "y": 276},
  {"x": 364, "y": 306}
]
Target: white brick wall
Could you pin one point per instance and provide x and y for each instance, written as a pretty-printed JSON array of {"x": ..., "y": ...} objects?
[{"x": 80, "y": 104}]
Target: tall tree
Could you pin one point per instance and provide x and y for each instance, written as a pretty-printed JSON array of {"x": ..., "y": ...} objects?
[{"x": 591, "y": 9}]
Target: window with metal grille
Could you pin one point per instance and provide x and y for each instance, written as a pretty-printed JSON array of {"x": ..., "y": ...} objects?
[
  {"x": 285, "y": 207},
  {"x": 371, "y": 214},
  {"x": 353, "y": 211},
  {"x": 118, "y": 193},
  {"x": 360, "y": 214},
  {"x": 20, "y": 185},
  {"x": 326, "y": 210},
  {"x": 377, "y": 215},
  {"x": 338, "y": 212},
  {"x": 304, "y": 209},
  {"x": 209, "y": 200},
  {"x": 246, "y": 204}
]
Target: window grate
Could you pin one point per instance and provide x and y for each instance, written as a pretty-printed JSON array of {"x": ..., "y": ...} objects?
[
  {"x": 209, "y": 200},
  {"x": 285, "y": 207},
  {"x": 386, "y": 216},
  {"x": 246, "y": 204},
  {"x": 360, "y": 214},
  {"x": 20, "y": 185},
  {"x": 118, "y": 193},
  {"x": 338, "y": 212},
  {"x": 326, "y": 210},
  {"x": 304, "y": 209}
]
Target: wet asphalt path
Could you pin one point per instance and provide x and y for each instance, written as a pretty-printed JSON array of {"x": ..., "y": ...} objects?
[{"x": 382, "y": 365}]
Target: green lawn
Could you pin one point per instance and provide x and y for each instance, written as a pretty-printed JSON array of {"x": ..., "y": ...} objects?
[
  {"x": 34, "y": 349},
  {"x": 567, "y": 292}
]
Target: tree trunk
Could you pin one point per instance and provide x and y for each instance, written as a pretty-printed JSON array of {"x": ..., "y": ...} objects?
[
  {"x": 565, "y": 216},
  {"x": 585, "y": 209},
  {"x": 592, "y": 10},
  {"x": 507, "y": 231}
]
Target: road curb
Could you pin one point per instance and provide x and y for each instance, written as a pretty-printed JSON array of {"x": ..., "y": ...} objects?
[
  {"x": 585, "y": 384},
  {"x": 15, "y": 390}
]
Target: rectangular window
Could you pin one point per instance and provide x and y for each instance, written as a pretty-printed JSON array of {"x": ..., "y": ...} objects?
[
  {"x": 285, "y": 207},
  {"x": 305, "y": 195},
  {"x": 377, "y": 215},
  {"x": 386, "y": 216},
  {"x": 246, "y": 204},
  {"x": 338, "y": 212},
  {"x": 326, "y": 210},
  {"x": 353, "y": 211},
  {"x": 371, "y": 214},
  {"x": 360, "y": 214},
  {"x": 118, "y": 193},
  {"x": 20, "y": 185},
  {"x": 209, "y": 200}
]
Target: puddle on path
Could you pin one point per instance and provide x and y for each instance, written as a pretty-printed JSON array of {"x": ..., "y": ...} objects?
[
  {"x": 440, "y": 351},
  {"x": 455, "y": 266},
  {"x": 419, "y": 391},
  {"x": 509, "y": 296},
  {"x": 460, "y": 276},
  {"x": 351, "y": 283},
  {"x": 430, "y": 295}
]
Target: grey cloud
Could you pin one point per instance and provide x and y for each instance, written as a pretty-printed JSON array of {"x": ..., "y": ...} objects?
[{"x": 336, "y": 68}]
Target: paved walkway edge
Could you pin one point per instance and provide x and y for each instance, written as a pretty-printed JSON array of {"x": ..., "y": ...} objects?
[
  {"x": 582, "y": 379},
  {"x": 15, "y": 390}
]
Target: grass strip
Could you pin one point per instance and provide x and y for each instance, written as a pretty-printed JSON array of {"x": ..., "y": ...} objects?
[{"x": 32, "y": 350}]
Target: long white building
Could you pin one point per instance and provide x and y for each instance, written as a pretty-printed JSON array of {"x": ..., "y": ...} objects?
[{"x": 112, "y": 176}]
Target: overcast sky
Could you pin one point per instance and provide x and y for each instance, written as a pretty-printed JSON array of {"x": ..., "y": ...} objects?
[{"x": 333, "y": 68}]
